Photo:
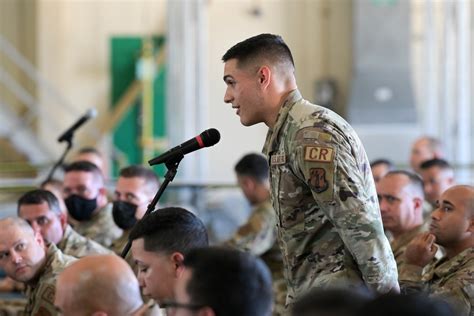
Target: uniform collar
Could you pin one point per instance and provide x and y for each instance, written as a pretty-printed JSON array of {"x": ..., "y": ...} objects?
[
  {"x": 272, "y": 135},
  {"x": 454, "y": 264}
]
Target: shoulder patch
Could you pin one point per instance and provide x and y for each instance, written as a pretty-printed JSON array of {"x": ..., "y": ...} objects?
[
  {"x": 318, "y": 154},
  {"x": 48, "y": 294},
  {"x": 318, "y": 180},
  {"x": 312, "y": 134}
]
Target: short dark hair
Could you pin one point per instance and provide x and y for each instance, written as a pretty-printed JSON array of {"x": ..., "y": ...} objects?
[
  {"x": 84, "y": 166},
  {"x": 39, "y": 196},
  {"x": 137, "y": 171},
  {"x": 415, "y": 181},
  {"x": 253, "y": 165},
  {"x": 382, "y": 161},
  {"x": 231, "y": 282},
  {"x": 340, "y": 302},
  {"x": 170, "y": 229},
  {"x": 269, "y": 46},
  {"x": 436, "y": 162}
]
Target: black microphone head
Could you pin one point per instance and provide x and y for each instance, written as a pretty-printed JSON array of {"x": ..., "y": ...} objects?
[{"x": 210, "y": 137}]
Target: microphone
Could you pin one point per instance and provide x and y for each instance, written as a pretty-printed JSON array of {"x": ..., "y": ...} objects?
[
  {"x": 207, "y": 138},
  {"x": 67, "y": 135}
]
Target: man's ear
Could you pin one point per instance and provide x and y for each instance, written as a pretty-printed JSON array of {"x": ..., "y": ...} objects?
[
  {"x": 471, "y": 225},
  {"x": 39, "y": 239},
  {"x": 102, "y": 196},
  {"x": 264, "y": 76},
  {"x": 418, "y": 204},
  {"x": 63, "y": 219},
  {"x": 177, "y": 259},
  {"x": 249, "y": 183}
]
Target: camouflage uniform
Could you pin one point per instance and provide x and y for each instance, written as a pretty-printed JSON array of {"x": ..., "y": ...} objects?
[
  {"x": 328, "y": 219},
  {"x": 101, "y": 227},
  {"x": 448, "y": 279},
  {"x": 400, "y": 244},
  {"x": 79, "y": 246},
  {"x": 41, "y": 294},
  {"x": 258, "y": 236},
  {"x": 119, "y": 244}
]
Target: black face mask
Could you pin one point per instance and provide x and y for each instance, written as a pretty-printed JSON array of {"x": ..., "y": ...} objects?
[
  {"x": 79, "y": 208},
  {"x": 124, "y": 214}
]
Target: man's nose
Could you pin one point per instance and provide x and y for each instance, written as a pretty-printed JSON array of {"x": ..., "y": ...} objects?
[
  {"x": 383, "y": 205},
  {"x": 15, "y": 257},
  {"x": 228, "y": 97},
  {"x": 35, "y": 226}
]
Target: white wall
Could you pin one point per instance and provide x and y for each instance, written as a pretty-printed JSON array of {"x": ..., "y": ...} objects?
[
  {"x": 304, "y": 24},
  {"x": 73, "y": 54}
]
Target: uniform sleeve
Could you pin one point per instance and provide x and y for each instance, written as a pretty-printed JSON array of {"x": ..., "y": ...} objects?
[
  {"x": 459, "y": 297},
  {"x": 257, "y": 235},
  {"x": 458, "y": 291},
  {"x": 335, "y": 168}
]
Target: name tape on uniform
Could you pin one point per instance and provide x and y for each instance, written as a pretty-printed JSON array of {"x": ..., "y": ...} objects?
[
  {"x": 278, "y": 159},
  {"x": 318, "y": 154}
]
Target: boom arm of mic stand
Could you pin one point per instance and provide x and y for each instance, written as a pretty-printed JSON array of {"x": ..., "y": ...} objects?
[
  {"x": 61, "y": 160},
  {"x": 169, "y": 176}
]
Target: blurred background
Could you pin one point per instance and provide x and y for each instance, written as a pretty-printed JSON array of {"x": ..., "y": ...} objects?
[{"x": 152, "y": 71}]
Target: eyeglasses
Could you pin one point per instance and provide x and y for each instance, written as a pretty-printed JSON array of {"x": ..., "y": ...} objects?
[{"x": 170, "y": 306}]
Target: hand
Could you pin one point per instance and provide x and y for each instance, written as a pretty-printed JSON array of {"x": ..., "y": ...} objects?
[{"x": 421, "y": 250}]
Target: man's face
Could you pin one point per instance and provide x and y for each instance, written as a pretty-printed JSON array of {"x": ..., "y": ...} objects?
[
  {"x": 397, "y": 206},
  {"x": 435, "y": 181},
  {"x": 156, "y": 272},
  {"x": 81, "y": 183},
  {"x": 451, "y": 219},
  {"x": 134, "y": 191},
  {"x": 243, "y": 92},
  {"x": 420, "y": 152},
  {"x": 22, "y": 254},
  {"x": 43, "y": 220},
  {"x": 247, "y": 185}
]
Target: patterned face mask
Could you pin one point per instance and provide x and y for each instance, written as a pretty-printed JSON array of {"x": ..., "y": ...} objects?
[
  {"x": 79, "y": 208},
  {"x": 124, "y": 214}
]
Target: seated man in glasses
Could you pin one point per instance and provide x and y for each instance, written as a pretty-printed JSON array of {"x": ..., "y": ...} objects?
[{"x": 222, "y": 282}]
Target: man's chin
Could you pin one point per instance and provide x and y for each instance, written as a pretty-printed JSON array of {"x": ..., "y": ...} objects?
[{"x": 247, "y": 123}]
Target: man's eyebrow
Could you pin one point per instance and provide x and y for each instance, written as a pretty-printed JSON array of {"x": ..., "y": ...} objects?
[{"x": 447, "y": 202}]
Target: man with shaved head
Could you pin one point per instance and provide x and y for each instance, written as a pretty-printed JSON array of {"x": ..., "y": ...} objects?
[
  {"x": 425, "y": 148},
  {"x": 452, "y": 277},
  {"x": 25, "y": 258},
  {"x": 99, "y": 285}
]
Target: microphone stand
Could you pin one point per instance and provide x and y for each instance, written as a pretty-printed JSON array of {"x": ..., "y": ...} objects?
[
  {"x": 172, "y": 166},
  {"x": 61, "y": 159}
]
